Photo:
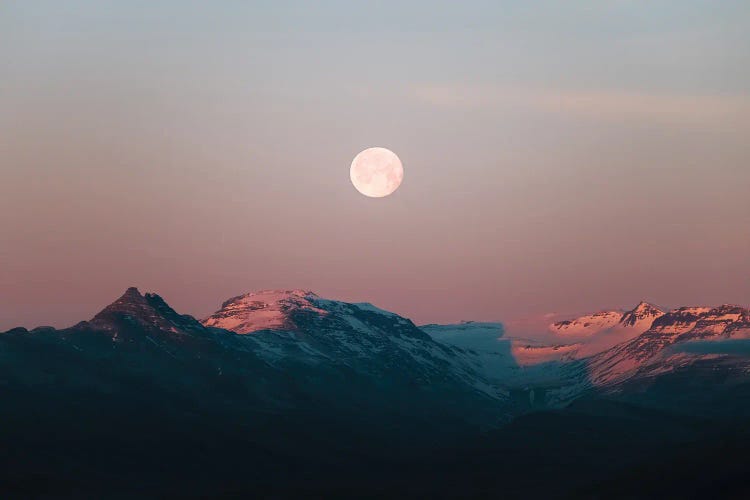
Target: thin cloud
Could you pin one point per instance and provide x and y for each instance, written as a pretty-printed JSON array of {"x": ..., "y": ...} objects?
[{"x": 606, "y": 105}]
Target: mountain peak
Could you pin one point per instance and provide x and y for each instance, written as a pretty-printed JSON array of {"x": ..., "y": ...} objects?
[
  {"x": 271, "y": 295},
  {"x": 263, "y": 310},
  {"x": 150, "y": 311},
  {"x": 298, "y": 309},
  {"x": 638, "y": 319},
  {"x": 128, "y": 301},
  {"x": 644, "y": 313},
  {"x": 643, "y": 305}
]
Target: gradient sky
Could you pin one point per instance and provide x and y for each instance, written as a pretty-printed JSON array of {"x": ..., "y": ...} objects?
[{"x": 558, "y": 155}]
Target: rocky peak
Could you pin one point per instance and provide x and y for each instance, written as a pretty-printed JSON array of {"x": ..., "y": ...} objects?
[
  {"x": 678, "y": 320},
  {"x": 643, "y": 312},
  {"x": 700, "y": 322},
  {"x": 150, "y": 311},
  {"x": 647, "y": 307},
  {"x": 638, "y": 319},
  {"x": 741, "y": 327},
  {"x": 728, "y": 310},
  {"x": 131, "y": 302},
  {"x": 717, "y": 321}
]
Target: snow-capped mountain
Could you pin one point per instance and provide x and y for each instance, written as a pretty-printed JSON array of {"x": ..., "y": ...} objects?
[
  {"x": 587, "y": 325},
  {"x": 607, "y": 351},
  {"x": 642, "y": 317},
  {"x": 638, "y": 320},
  {"x": 664, "y": 343},
  {"x": 288, "y": 351},
  {"x": 263, "y": 310},
  {"x": 287, "y": 348},
  {"x": 593, "y": 351},
  {"x": 560, "y": 363},
  {"x": 298, "y": 326}
]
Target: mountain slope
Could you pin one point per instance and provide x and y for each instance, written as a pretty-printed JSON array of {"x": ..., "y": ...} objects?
[
  {"x": 351, "y": 357},
  {"x": 143, "y": 399},
  {"x": 485, "y": 341},
  {"x": 680, "y": 349},
  {"x": 645, "y": 345},
  {"x": 286, "y": 327},
  {"x": 313, "y": 397}
]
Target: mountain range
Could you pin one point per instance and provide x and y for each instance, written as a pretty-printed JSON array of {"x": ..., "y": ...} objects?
[{"x": 284, "y": 385}]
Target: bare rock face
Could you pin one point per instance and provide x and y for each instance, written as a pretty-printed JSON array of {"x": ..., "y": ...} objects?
[{"x": 149, "y": 312}]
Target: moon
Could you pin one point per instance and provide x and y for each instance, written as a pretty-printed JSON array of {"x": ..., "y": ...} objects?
[{"x": 376, "y": 172}]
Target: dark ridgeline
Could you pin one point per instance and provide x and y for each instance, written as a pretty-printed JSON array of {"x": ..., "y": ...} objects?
[{"x": 347, "y": 400}]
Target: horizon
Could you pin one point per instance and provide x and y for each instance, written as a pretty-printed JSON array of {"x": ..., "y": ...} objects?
[{"x": 535, "y": 326}]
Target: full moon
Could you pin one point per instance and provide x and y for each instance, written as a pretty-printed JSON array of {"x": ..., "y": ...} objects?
[{"x": 376, "y": 172}]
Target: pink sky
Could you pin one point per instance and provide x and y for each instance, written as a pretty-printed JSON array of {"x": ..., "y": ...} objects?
[{"x": 205, "y": 152}]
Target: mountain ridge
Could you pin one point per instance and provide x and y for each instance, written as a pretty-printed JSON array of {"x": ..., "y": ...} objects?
[
  {"x": 639, "y": 318},
  {"x": 335, "y": 391},
  {"x": 319, "y": 350},
  {"x": 293, "y": 329}
]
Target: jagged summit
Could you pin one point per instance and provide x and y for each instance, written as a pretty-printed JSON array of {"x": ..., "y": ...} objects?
[
  {"x": 131, "y": 302},
  {"x": 702, "y": 321},
  {"x": 638, "y": 319},
  {"x": 674, "y": 339},
  {"x": 148, "y": 311},
  {"x": 646, "y": 306},
  {"x": 642, "y": 313}
]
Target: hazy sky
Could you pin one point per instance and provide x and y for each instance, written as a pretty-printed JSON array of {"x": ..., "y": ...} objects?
[{"x": 558, "y": 156}]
